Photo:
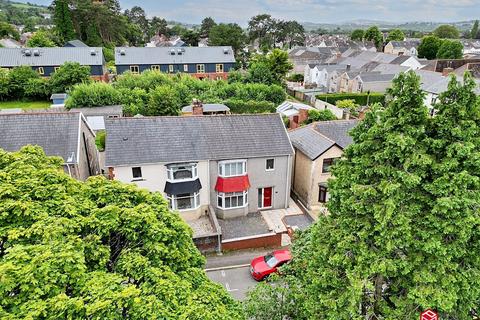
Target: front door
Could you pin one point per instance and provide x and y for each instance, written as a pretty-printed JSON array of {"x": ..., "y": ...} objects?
[{"x": 265, "y": 197}]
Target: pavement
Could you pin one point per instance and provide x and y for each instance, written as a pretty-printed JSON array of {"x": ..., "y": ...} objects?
[
  {"x": 237, "y": 281},
  {"x": 234, "y": 258}
]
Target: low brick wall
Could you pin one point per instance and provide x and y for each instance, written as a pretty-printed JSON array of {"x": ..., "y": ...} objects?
[
  {"x": 207, "y": 244},
  {"x": 258, "y": 241}
]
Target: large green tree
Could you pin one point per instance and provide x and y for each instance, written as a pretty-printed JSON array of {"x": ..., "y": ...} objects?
[
  {"x": 475, "y": 32},
  {"x": 403, "y": 231},
  {"x": 8, "y": 31},
  {"x": 450, "y": 49},
  {"x": 95, "y": 250},
  {"x": 207, "y": 24},
  {"x": 447, "y": 31},
  {"x": 357, "y": 35},
  {"x": 62, "y": 17},
  {"x": 374, "y": 34},
  {"x": 41, "y": 38},
  {"x": 227, "y": 35},
  {"x": 428, "y": 47},
  {"x": 395, "y": 35}
]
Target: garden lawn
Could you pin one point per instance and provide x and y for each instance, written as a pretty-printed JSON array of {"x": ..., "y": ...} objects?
[{"x": 25, "y": 104}]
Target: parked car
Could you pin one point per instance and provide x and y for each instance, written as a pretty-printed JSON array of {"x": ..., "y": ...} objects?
[{"x": 263, "y": 266}]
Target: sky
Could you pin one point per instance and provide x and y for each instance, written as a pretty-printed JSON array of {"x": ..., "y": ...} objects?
[{"x": 318, "y": 11}]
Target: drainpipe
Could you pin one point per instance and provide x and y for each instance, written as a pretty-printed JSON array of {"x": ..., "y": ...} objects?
[{"x": 287, "y": 193}]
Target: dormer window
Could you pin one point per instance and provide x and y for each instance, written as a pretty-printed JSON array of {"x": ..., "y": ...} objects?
[
  {"x": 232, "y": 168},
  {"x": 182, "y": 172}
]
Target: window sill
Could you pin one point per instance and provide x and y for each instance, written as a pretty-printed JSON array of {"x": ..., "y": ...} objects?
[
  {"x": 246, "y": 205},
  {"x": 184, "y": 210},
  {"x": 138, "y": 179},
  {"x": 269, "y": 169}
]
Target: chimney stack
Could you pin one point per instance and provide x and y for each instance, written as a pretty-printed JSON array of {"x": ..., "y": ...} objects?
[
  {"x": 197, "y": 107},
  {"x": 302, "y": 115},
  {"x": 447, "y": 71},
  {"x": 349, "y": 67},
  {"x": 294, "y": 122}
]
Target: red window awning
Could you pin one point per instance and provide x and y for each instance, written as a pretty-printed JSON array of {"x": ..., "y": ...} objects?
[{"x": 232, "y": 184}]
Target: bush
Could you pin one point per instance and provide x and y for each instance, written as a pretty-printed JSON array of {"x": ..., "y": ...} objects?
[
  {"x": 240, "y": 106},
  {"x": 296, "y": 77},
  {"x": 100, "y": 140},
  {"x": 359, "y": 98},
  {"x": 19, "y": 78},
  {"x": 146, "y": 80},
  {"x": 163, "y": 101},
  {"x": 37, "y": 89},
  {"x": 68, "y": 75},
  {"x": 4, "y": 84},
  {"x": 93, "y": 94},
  {"x": 320, "y": 115}
]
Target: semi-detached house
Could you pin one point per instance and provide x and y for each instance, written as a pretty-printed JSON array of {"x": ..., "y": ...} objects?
[
  {"x": 200, "y": 62},
  {"x": 235, "y": 164}
]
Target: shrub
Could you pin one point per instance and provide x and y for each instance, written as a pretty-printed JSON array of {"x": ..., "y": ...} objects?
[
  {"x": 163, "y": 101},
  {"x": 93, "y": 94},
  {"x": 4, "y": 84},
  {"x": 18, "y": 80},
  {"x": 359, "y": 98},
  {"x": 37, "y": 89},
  {"x": 320, "y": 115},
  {"x": 296, "y": 77},
  {"x": 68, "y": 75},
  {"x": 240, "y": 106},
  {"x": 146, "y": 80},
  {"x": 134, "y": 101},
  {"x": 100, "y": 140}
]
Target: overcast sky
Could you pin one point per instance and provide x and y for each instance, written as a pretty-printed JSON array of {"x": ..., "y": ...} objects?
[{"x": 320, "y": 11}]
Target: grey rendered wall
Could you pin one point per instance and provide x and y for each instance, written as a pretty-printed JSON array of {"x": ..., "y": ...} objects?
[{"x": 259, "y": 177}]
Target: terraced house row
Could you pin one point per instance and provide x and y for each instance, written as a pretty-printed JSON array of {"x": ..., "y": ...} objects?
[{"x": 201, "y": 62}]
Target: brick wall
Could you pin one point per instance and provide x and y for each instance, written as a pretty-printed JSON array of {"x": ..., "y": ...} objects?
[{"x": 264, "y": 241}]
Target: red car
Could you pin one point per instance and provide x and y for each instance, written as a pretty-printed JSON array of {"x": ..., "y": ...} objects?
[{"x": 263, "y": 266}]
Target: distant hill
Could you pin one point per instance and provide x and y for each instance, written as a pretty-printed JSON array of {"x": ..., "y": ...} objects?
[
  {"x": 422, "y": 26},
  {"x": 25, "y": 6}
]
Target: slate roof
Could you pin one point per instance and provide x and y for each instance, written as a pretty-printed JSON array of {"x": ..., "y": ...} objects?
[
  {"x": 376, "y": 77},
  {"x": 163, "y": 55},
  {"x": 12, "y": 57},
  {"x": 400, "y": 59},
  {"x": 56, "y": 133},
  {"x": 148, "y": 140},
  {"x": 75, "y": 43},
  {"x": 313, "y": 140}
]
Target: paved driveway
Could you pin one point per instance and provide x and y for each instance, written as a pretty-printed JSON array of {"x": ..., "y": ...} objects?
[{"x": 236, "y": 281}]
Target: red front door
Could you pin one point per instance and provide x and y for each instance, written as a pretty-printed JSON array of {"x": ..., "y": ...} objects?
[{"x": 267, "y": 197}]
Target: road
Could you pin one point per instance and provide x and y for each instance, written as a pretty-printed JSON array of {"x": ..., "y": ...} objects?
[{"x": 237, "y": 281}]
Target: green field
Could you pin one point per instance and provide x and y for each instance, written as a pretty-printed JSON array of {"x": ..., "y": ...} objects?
[{"x": 25, "y": 104}]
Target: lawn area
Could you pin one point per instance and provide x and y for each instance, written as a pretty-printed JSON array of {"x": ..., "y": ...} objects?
[{"x": 25, "y": 104}]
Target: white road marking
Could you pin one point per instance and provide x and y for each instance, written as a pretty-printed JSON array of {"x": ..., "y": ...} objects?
[{"x": 228, "y": 287}]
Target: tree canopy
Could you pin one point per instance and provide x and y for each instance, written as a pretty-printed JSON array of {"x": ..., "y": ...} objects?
[
  {"x": 357, "y": 34},
  {"x": 450, "y": 49},
  {"x": 95, "y": 249},
  {"x": 395, "y": 35},
  {"x": 447, "y": 31},
  {"x": 374, "y": 34},
  {"x": 40, "y": 38},
  {"x": 403, "y": 230},
  {"x": 230, "y": 34},
  {"x": 428, "y": 47},
  {"x": 68, "y": 75},
  {"x": 475, "y": 32}
]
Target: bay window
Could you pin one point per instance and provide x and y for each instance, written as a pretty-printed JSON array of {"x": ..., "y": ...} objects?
[
  {"x": 232, "y": 168},
  {"x": 185, "y": 201},
  {"x": 180, "y": 172},
  {"x": 231, "y": 200}
]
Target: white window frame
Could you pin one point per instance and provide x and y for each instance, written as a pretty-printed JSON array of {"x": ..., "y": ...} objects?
[
  {"x": 222, "y": 196},
  {"x": 155, "y": 67},
  {"x": 141, "y": 174},
  {"x": 266, "y": 164},
  {"x": 222, "y": 170},
  {"x": 185, "y": 68},
  {"x": 41, "y": 70},
  {"x": 56, "y": 69},
  {"x": 172, "y": 201},
  {"x": 200, "y": 68},
  {"x": 219, "y": 66},
  {"x": 170, "y": 68},
  {"x": 171, "y": 170},
  {"x": 132, "y": 68}
]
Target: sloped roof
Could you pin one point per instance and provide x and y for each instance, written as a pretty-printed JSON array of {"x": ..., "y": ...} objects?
[
  {"x": 163, "y": 55},
  {"x": 56, "y": 133},
  {"x": 376, "y": 77},
  {"x": 209, "y": 107},
  {"x": 313, "y": 140},
  {"x": 147, "y": 140},
  {"x": 12, "y": 57},
  {"x": 75, "y": 43}
]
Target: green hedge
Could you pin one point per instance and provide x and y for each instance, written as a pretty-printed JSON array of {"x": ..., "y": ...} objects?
[
  {"x": 359, "y": 98},
  {"x": 240, "y": 106}
]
